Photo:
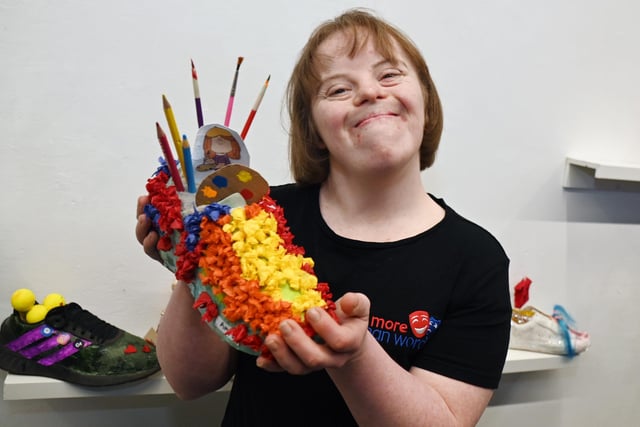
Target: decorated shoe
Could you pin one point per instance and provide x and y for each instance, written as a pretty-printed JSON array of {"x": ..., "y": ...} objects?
[
  {"x": 227, "y": 239},
  {"x": 73, "y": 345},
  {"x": 534, "y": 330},
  {"x": 230, "y": 243}
]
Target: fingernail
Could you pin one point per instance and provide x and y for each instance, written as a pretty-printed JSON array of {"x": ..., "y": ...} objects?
[
  {"x": 313, "y": 314},
  {"x": 270, "y": 343},
  {"x": 285, "y": 328}
]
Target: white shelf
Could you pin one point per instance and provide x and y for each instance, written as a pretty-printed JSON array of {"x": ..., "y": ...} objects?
[
  {"x": 22, "y": 387},
  {"x": 529, "y": 361},
  {"x": 25, "y": 387},
  {"x": 583, "y": 174}
]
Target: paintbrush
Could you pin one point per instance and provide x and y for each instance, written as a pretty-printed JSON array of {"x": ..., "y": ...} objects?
[
  {"x": 252, "y": 114},
  {"x": 196, "y": 94},
  {"x": 232, "y": 96}
]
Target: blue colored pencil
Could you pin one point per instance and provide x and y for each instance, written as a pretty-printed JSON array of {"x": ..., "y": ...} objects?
[{"x": 188, "y": 165}]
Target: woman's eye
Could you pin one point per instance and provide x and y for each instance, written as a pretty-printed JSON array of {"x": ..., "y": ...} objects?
[
  {"x": 336, "y": 92},
  {"x": 391, "y": 75}
]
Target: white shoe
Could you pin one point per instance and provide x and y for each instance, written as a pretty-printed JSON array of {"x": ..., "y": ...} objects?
[{"x": 533, "y": 330}]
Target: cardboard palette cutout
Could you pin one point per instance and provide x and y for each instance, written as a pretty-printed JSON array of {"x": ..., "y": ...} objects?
[{"x": 231, "y": 179}]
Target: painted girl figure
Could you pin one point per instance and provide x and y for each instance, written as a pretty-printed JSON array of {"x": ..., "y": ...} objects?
[{"x": 220, "y": 148}]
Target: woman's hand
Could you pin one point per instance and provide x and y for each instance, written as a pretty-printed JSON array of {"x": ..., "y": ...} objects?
[
  {"x": 145, "y": 235},
  {"x": 293, "y": 351}
]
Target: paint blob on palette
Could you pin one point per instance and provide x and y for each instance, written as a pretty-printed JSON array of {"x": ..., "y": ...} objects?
[{"x": 230, "y": 179}]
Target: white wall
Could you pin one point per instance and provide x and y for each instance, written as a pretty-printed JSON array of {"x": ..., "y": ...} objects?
[{"x": 523, "y": 84}]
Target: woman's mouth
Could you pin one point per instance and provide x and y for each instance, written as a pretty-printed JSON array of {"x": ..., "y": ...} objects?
[{"x": 374, "y": 117}]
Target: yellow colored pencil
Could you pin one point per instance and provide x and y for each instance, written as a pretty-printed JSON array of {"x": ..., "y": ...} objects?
[{"x": 173, "y": 128}]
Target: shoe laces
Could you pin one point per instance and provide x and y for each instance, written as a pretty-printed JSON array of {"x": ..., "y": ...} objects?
[
  {"x": 80, "y": 322},
  {"x": 565, "y": 322}
]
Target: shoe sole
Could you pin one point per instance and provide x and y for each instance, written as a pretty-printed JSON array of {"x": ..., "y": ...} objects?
[{"x": 15, "y": 363}]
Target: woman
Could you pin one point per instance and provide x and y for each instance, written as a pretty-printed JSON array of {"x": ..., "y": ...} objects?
[{"x": 422, "y": 294}]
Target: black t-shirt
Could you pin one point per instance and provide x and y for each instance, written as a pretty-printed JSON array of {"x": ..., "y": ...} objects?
[{"x": 439, "y": 301}]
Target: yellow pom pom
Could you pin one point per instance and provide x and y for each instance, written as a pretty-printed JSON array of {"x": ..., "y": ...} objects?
[
  {"x": 23, "y": 299},
  {"x": 37, "y": 313},
  {"x": 53, "y": 300}
]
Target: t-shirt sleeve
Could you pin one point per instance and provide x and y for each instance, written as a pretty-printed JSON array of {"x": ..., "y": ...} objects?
[{"x": 472, "y": 341}]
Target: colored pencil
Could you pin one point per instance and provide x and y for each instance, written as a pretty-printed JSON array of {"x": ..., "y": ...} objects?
[
  {"x": 232, "y": 96},
  {"x": 173, "y": 128},
  {"x": 186, "y": 152},
  {"x": 168, "y": 156},
  {"x": 252, "y": 114},
  {"x": 196, "y": 95}
]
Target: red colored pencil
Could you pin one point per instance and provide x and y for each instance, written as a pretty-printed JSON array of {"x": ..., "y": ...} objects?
[
  {"x": 168, "y": 156},
  {"x": 252, "y": 114},
  {"x": 232, "y": 96}
]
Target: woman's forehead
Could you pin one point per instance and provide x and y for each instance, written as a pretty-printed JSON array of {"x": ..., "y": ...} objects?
[{"x": 351, "y": 44}]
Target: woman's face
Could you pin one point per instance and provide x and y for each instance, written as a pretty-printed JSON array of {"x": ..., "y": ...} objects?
[{"x": 369, "y": 112}]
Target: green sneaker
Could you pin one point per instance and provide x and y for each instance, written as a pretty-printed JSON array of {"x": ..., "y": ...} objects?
[{"x": 73, "y": 345}]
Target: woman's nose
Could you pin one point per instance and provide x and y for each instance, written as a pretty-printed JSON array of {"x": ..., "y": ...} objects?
[{"x": 369, "y": 92}]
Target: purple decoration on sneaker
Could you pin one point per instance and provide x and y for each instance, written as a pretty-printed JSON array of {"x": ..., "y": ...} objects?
[
  {"x": 66, "y": 351},
  {"x": 41, "y": 347},
  {"x": 43, "y": 339},
  {"x": 30, "y": 337}
]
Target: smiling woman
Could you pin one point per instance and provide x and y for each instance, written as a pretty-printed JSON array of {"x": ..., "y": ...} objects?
[
  {"x": 353, "y": 35},
  {"x": 415, "y": 284},
  {"x": 369, "y": 112}
]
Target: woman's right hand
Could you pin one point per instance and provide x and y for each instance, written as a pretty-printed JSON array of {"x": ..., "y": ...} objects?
[{"x": 145, "y": 235}]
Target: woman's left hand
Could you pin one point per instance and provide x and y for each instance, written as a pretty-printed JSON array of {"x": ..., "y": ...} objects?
[{"x": 295, "y": 352}]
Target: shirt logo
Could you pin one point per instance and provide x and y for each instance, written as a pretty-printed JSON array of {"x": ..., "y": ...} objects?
[{"x": 412, "y": 334}]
